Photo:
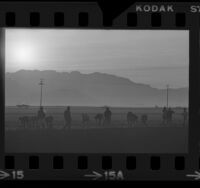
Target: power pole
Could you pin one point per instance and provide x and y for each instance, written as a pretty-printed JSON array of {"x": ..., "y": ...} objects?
[
  {"x": 41, "y": 88},
  {"x": 167, "y": 95}
]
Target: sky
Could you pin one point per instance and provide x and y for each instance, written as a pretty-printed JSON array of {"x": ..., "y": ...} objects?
[{"x": 154, "y": 57}]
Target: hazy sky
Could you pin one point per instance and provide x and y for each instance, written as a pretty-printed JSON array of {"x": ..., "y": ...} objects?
[{"x": 156, "y": 57}]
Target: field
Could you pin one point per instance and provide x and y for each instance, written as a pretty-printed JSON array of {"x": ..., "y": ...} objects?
[{"x": 155, "y": 137}]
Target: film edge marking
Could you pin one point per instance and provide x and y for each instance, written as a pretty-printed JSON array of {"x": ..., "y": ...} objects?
[
  {"x": 3, "y": 175},
  {"x": 196, "y": 175},
  {"x": 95, "y": 175}
]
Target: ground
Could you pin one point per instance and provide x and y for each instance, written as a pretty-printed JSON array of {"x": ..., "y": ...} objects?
[{"x": 92, "y": 138}]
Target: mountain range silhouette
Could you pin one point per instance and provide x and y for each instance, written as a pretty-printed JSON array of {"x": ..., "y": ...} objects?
[{"x": 95, "y": 89}]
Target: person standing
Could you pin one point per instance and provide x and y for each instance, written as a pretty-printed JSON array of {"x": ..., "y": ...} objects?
[
  {"x": 164, "y": 115},
  {"x": 107, "y": 116},
  {"x": 185, "y": 116},
  {"x": 170, "y": 113},
  {"x": 67, "y": 117},
  {"x": 41, "y": 117}
]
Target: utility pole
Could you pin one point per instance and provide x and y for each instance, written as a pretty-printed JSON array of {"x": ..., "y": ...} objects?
[
  {"x": 41, "y": 88},
  {"x": 167, "y": 95}
]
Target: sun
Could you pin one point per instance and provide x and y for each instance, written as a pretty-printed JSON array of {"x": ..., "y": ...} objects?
[{"x": 22, "y": 55}]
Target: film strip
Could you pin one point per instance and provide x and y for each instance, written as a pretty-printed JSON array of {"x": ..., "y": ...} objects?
[{"x": 121, "y": 164}]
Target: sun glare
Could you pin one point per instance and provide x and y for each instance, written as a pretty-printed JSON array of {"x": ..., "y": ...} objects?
[{"x": 22, "y": 55}]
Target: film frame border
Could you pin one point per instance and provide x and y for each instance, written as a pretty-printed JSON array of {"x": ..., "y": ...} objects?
[{"x": 75, "y": 166}]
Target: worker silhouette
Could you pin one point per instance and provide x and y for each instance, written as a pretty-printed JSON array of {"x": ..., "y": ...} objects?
[
  {"x": 107, "y": 116},
  {"x": 67, "y": 117},
  {"x": 185, "y": 116},
  {"x": 41, "y": 117},
  {"x": 170, "y": 113},
  {"x": 164, "y": 115}
]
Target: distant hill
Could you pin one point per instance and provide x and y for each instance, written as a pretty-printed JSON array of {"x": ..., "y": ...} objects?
[{"x": 95, "y": 89}]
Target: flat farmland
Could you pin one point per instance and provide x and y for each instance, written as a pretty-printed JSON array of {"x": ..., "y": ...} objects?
[{"x": 154, "y": 137}]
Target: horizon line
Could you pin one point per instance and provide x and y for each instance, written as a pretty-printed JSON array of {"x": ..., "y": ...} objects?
[{"x": 57, "y": 71}]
